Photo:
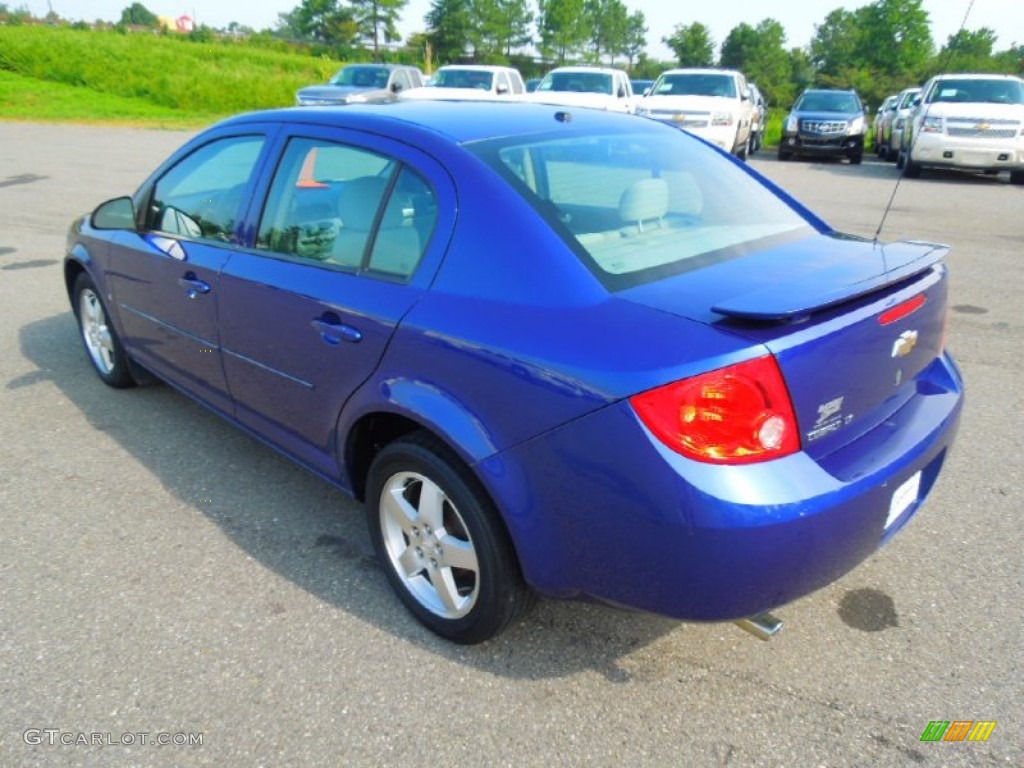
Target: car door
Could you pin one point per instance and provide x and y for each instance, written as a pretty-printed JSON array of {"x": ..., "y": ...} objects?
[
  {"x": 347, "y": 241},
  {"x": 164, "y": 276}
]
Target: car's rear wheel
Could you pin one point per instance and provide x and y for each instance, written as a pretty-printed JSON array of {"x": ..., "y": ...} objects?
[
  {"x": 784, "y": 155},
  {"x": 105, "y": 351},
  {"x": 856, "y": 158},
  {"x": 911, "y": 169},
  {"x": 442, "y": 543}
]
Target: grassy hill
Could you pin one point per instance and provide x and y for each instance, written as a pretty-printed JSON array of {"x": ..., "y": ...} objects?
[{"x": 60, "y": 73}]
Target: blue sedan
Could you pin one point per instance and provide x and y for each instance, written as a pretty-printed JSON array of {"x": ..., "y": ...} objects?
[{"x": 562, "y": 352}]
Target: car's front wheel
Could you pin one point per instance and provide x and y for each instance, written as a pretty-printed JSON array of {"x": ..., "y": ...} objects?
[
  {"x": 1017, "y": 177},
  {"x": 106, "y": 353},
  {"x": 442, "y": 543}
]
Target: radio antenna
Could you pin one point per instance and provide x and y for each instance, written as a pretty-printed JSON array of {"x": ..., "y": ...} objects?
[{"x": 913, "y": 139}]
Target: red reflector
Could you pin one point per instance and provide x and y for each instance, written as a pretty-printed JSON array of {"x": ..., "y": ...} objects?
[
  {"x": 902, "y": 310},
  {"x": 734, "y": 415}
]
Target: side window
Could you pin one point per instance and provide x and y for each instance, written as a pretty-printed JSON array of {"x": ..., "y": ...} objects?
[
  {"x": 327, "y": 205},
  {"x": 201, "y": 197},
  {"x": 406, "y": 227}
]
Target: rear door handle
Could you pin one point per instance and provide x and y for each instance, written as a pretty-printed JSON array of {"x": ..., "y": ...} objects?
[
  {"x": 193, "y": 285},
  {"x": 333, "y": 331}
]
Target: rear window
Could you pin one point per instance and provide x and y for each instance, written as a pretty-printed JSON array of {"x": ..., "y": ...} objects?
[{"x": 641, "y": 207}]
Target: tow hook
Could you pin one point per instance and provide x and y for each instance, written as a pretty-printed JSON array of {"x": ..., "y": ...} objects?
[{"x": 764, "y": 626}]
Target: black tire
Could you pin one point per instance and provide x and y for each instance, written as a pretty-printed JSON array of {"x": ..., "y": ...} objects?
[
  {"x": 911, "y": 169},
  {"x": 1017, "y": 177},
  {"x": 101, "y": 342},
  {"x": 901, "y": 159},
  {"x": 856, "y": 158},
  {"x": 784, "y": 156},
  {"x": 419, "y": 549}
]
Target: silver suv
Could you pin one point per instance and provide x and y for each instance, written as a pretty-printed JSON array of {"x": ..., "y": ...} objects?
[{"x": 969, "y": 122}]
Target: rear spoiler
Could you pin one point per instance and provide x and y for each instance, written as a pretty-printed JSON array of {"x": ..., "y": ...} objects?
[{"x": 813, "y": 293}]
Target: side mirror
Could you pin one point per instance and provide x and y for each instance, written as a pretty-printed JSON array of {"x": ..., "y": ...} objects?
[
  {"x": 502, "y": 89},
  {"x": 396, "y": 87},
  {"x": 622, "y": 92},
  {"x": 118, "y": 213}
]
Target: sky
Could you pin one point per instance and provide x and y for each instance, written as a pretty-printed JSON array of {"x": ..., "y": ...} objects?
[{"x": 798, "y": 17}]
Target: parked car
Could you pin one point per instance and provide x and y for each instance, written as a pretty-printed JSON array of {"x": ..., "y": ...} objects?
[
  {"x": 715, "y": 104},
  {"x": 594, "y": 87},
  {"x": 361, "y": 83},
  {"x": 618, "y": 402},
  {"x": 640, "y": 87},
  {"x": 463, "y": 82},
  {"x": 825, "y": 123},
  {"x": 882, "y": 126},
  {"x": 759, "y": 118},
  {"x": 532, "y": 83},
  {"x": 905, "y": 102},
  {"x": 968, "y": 122}
]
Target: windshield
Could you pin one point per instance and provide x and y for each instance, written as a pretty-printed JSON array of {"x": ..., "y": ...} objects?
[
  {"x": 362, "y": 77},
  {"x": 908, "y": 98},
  {"x": 696, "y": 84},
  {"x": 582, "y": 82},
  {"x": 462, "y": 78},
  {"x": 978, "y": 91},
  {"x": 640, "y": 207},
  {"x": 828, "y": 101}
]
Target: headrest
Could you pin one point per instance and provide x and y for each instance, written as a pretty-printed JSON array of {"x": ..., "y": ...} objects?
[{"x": 644, "y": 200}]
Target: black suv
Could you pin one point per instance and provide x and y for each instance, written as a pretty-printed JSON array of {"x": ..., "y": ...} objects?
[{"x": 825, "y": 122}]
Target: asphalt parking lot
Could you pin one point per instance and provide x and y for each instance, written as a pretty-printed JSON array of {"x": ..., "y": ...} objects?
[{"x": 163, "y": 573}]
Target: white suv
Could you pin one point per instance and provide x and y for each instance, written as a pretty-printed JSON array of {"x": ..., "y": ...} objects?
[
  {"x": 712, "y": 103},
  {"x": 967, "y": 122}
]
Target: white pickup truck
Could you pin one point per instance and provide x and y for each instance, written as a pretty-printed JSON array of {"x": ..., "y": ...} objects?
[{"x": 593, "y": 87}]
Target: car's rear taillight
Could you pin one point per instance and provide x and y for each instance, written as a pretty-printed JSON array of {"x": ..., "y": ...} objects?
[{"x": 734, "y": 415}]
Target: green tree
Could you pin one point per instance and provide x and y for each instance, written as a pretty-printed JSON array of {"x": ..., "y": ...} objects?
[
  {"x": 692, "y": 45},
  {"x": 377, "y": 20},
  {"x": 563, "y": 27},
  {"x": 895, "y": 37},
  {"x": 968, "y": 51},
  {"x": 834, "y": 47},
  {"x": 138, "y": 15},
  {"x": 319, "y": 21},
  {"x": 636, "y": 38},
  {"x": 760, "y": 53},
  {"x": 449, "y": 27},
  {"x": 609, "y": 22},
  {"x": 502, "y": 25}
]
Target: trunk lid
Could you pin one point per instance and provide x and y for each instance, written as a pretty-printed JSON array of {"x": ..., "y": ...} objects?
[{"x": 854, "y": 325}]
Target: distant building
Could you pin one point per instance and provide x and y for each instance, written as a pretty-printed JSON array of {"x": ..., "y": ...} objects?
[{"x": 183, "y": 23}]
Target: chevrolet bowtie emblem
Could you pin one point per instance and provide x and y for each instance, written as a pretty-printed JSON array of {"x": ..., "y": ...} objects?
[{"x": 905, "y": 344}]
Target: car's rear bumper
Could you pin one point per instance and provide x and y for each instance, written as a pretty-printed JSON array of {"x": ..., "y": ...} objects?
[{"x": 600, "y": 508}]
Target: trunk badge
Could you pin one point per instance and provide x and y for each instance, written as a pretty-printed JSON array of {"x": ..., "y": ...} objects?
[{"x": 905, "y": 344}]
